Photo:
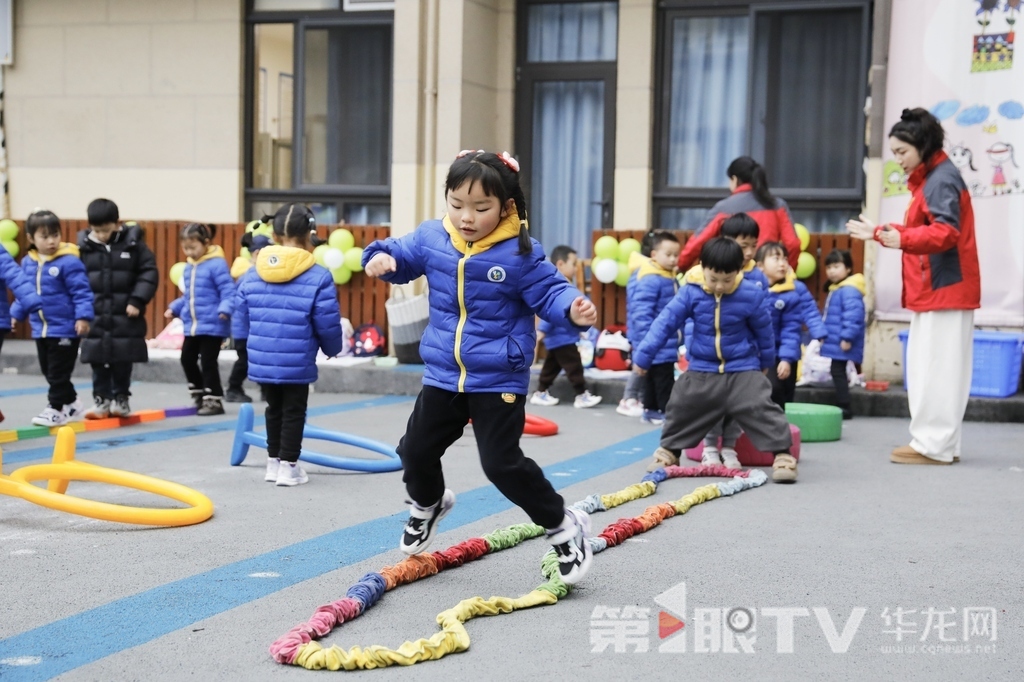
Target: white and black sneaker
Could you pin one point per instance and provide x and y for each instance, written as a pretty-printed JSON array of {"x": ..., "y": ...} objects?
[
  {"x": 422, "y": 524},
  {"x": 570, "y": 543},
  {"x": 50, "y": 417}
]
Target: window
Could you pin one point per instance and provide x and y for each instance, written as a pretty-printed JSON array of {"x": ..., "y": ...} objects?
[
  {"x": 319, "y": 94},
  {"x": 766, "y": 80}
]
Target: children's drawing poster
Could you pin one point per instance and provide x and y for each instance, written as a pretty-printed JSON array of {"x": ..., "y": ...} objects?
[{"x": 956, "y": 59}]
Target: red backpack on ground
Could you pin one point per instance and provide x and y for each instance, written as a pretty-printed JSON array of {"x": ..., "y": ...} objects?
[
  {"x": 612, "y": 350},
  {"x": 369, "y": 340}
]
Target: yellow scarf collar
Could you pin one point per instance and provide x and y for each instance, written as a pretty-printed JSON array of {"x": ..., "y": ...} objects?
[{"x": 508, "y": 228}]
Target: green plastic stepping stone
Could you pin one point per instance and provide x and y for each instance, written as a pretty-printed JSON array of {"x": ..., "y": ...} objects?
[
  {"x": 27, "y": 432},
  {"x": 817, "y": 423}
]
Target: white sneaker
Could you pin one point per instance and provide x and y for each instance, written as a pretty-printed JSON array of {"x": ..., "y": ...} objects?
[
  {"x": 50, "y": 417},
  {"x": 73, "y": 411},
  {"x": 421, "y": 527},
  {"x": 101, "y": 410},
  {"x": 730, "y": 459},
  {"x": 586, "y": 399},
  {"x": 273, "y": 465},
  {"x": 571, "y": 546},
  {"x": 290, "y": 473},
  {"x": 710, "y": 456},
  {"x": 630, "y": 407},
  {"x": 545, "y": 399}
]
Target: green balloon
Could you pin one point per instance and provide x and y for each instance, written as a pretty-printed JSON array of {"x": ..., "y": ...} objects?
[
  {"x": 806, "y": 264},
  {"x": 341, "y": 239},
  {"x": 318, "y": 254},
  {"x": 622, "y": 279},
  {"x": 626, "y": 247},
  {"x": 11, "y": 247},
  {"x": 607, "y": 247},
  {"x": 8, "y": 230},
  {"x": 354, "y": 259},
  {"x": 177, "y": 270},
  {"x": 342, "y": 275}
]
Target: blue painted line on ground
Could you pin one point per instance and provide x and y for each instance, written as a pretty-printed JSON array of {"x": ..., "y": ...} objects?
[
  {"x": 139, "y": 438},
  {"x": 39, "y": 390},
  {"x": 86, "y": 637}
]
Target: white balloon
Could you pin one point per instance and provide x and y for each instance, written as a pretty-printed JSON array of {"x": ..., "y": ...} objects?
[
  {"x": 334, "y": 258},
  {"x": 606, "y": 270}
]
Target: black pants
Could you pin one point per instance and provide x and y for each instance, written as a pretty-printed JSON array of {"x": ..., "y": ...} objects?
[
  {"x": 3, "y": 333},
  {"x": 657, "y": 391},
  {"x": 110, "y": 381},
  {"x": 205, "y": 349},
  {"x": 439, "y": 419},
  {"x": 241, "y": 368},
  {"x": 567, "y": 358},
  {"x": 57, "y": 358},
  {"x": 841, "y": 383},
  {"x": 286, "y": 417},
  {"x": 783, "y": 390}
]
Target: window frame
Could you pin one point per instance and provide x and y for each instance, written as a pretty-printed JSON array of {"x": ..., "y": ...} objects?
[
  {"x": 665, "y": 196},
  {"x": 339, "y": 195}
]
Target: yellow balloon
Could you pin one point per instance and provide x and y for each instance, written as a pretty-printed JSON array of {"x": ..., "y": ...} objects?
[
  {"x": 177, "y": 270},
  {"x": 804, "y": 236}
]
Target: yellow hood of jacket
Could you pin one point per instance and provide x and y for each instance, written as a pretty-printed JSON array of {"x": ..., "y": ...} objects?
[
  {"x": 65, "y": 249},
  {"x": 278, "y": 264}
]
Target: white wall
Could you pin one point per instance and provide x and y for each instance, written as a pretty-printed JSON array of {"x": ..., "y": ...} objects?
[{"x": 139, "y": 101}]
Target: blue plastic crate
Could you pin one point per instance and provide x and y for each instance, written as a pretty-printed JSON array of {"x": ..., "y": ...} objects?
[{"x": 997, "y": 362}]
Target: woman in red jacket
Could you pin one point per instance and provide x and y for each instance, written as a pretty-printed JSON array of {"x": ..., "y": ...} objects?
[
  {"x": 941, "y": 287},
  {"x": 750, "y": 195}
]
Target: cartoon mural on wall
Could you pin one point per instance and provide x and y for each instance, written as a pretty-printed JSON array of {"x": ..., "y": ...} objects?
[
  {"x": 983, "y": 142},
  {"x": 994, "y": 51}
]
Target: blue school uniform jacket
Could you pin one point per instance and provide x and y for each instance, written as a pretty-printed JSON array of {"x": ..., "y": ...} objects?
[
  {"x": 647, "y": 295},
  {"x": 209, "y": 292},
  {"x": 731, "y": 333},
  {"x": 63, "y": 285},
  {"x": 287, "y": 307},
  {"x": 844, "y": 319},
  {"x": 11, "y": 276},
  {"x": 483, "y": 299},
  {"x": 751, "y": 273},
  {"x": 787, "y": 311},
  {"x": 811, "y": 314}
]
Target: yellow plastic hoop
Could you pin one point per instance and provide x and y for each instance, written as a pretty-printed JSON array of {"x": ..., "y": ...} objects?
[{"x": 65, "y": 469}]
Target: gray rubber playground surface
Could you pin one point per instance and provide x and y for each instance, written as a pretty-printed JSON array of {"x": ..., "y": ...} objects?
[{"x": 91, "y": 600}]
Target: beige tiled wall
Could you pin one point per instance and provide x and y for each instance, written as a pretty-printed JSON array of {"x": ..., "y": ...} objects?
[{"x": 136, "y": 100}]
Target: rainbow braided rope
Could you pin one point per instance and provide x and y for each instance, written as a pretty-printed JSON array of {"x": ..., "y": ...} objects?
[{"x": 298, "y": 647}]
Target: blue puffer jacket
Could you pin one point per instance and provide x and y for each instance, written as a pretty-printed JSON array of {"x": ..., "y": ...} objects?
[
  {"x": 731, "y": 333},
  {"x": 787, "y": 313},
  {"x": 287, "y": 306},
  {"x": 240, "y": 331},
  {"x": 63, "y": 285},
  {"x": 811, "y": 314},
  {"x": 12, "y": 276},
  {"x": 844, "y": 319},
  {"x": 558, "y": 335},
  {"x": 751, "y": 273},
  {"x": 209, "y": 293},
  {"x": 647, "y": 295},
  {"x": 483, "y": 298}
]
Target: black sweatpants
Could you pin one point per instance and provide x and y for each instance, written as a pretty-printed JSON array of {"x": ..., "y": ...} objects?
[
  {"x": 205, "y": 349},
  {"x": 111, "y": 380},
  {"x": 658, "y": 390},
  {"x": 286, "y": 417},
  {"x": 439, "y": 419},
  {"x": 57, "y": 358},
  {"x": 841, "y": 383},
  {"x": 701, "y": 399},
  {"x": 783, "y": 390},
  {"x": 240, "y": 370},
  {"x": 567, "y": 358}
]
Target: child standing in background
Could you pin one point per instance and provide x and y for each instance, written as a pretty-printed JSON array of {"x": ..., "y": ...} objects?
[
  {"x": 844, "y": 320},
  {"x": 63, "y": 286},
  {"x": 488, "y": 280},
  {"x": 560, "y": 341},
  {"x": 287, "y": 308},
  {"x": 123, "y": 277},
  {"x": 786, "y": 310},
  {"x": 204, "y": 307}
]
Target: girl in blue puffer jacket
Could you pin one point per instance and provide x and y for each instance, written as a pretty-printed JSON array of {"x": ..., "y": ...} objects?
[
  {"x": 208, "y": 295},
  {"x": 287, "y": 306},
  {"x": 487, "y": 280},
  {"x": 12, "y": 277},
  {"x": 844, "y": 321},
  {"x": 787, "y": 309}
]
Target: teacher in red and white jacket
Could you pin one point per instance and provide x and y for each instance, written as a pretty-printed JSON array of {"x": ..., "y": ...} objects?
[{"x": 941, "y": 287}]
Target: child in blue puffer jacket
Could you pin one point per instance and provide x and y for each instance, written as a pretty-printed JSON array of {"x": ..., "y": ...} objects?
[
  {"x": 787, "y": 310},
  {"x": 487, "y": 279},
  {"x": 208, "y": 296},
  {"x": 560, "y": 341},
  {"x": 63, "y": 285},
  {"x": 287, "y": 307},
  {"x": 654, "y": 288},
  {"x": 844, "y": 320},
  {"x": 12, "y": 277},
  {"x": 733, "y": 347}
]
